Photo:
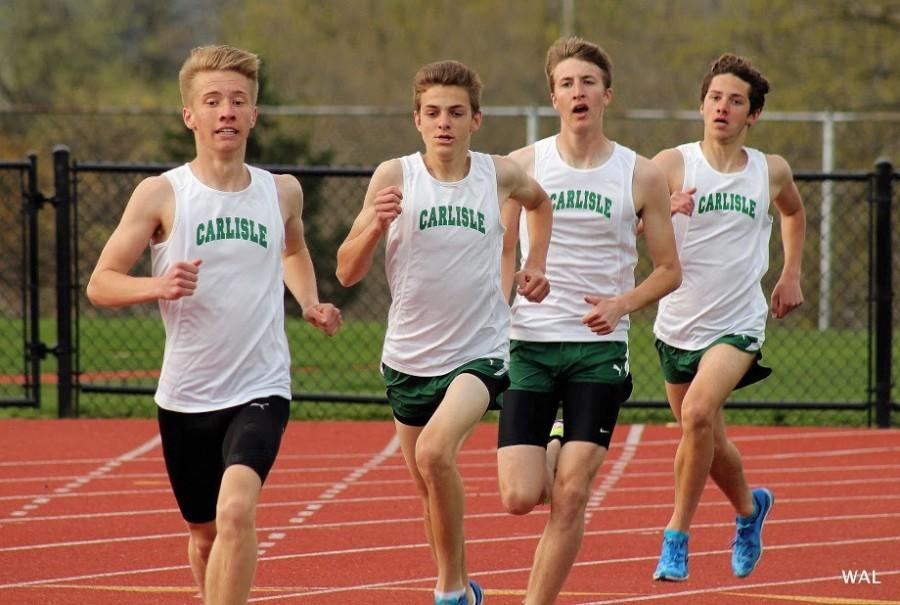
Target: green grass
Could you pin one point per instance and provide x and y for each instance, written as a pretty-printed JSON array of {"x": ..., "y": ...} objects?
[{"x": 810, "y": 366}]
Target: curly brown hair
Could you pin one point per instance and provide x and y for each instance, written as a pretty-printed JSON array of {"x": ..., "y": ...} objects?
[{"x": 742, "y": 68}]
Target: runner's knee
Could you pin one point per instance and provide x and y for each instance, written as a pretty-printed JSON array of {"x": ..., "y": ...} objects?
[
  {"x": 202, "y": 537},
  {"x": 697, "y": 418},
  {"x": 520, "y": 499},
  {"x": 570, "y": 496},
  {"x": 433, "y": 463},
  {"x": 235, "y": 515}
]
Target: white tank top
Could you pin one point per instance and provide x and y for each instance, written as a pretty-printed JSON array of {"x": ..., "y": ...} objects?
[
  {"x": 592, "y": 250},
  {"x": 443, "y": 268},
  {"x": 225, "y": 344},
  {"x": 724, "y": 251}
]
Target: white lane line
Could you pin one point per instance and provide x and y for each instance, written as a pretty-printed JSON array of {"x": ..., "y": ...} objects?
[
  {"x": 713, "y": 498},
  {"x": 617, "y": 470},
  {"x": 282, "y": 471},
  {"x": 793, "y": 485},
  {"x": 82, "y": 480},
  {"x": 336, "y": 488},
  {"x": 278, "y": 532},
  {"x": 493, "y": 540},
  {"x": 653, "y": 558}
]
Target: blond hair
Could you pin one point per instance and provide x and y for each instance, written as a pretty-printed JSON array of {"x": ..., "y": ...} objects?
[
  {"x": 218, "y": 58},
  {"x": 448, "y": 73}
]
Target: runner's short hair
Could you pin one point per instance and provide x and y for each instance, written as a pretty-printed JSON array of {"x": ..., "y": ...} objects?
[
  {"x": 218, "y": 58},
  {"x": 577, "y": 48},
  {"x": 448, "y": 73}
]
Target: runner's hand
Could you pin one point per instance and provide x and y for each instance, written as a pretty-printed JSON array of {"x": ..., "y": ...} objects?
[
  {"x": 180, "y": 280},
  {"x": 532, "y": 284},
  {"x": 324, "y": 316}
]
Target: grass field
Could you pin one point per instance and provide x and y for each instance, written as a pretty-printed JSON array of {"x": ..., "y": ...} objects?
[{"x": 810, "y": 366}]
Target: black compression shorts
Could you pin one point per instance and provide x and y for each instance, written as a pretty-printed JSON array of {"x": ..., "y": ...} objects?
[{"x": 199, "y": 447}]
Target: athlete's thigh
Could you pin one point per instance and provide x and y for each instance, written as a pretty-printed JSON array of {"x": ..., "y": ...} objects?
[
  {"x": 240, "y": 483},
  {"x": 578, "y": 463},
  {"x": 591, "y": 410},
  {"x": 525, "y": 421},
  {"x": 192, "y": 450},
  {"x": 526, "y": 418},
  {"x": 464, "y": 403},
  {"x": 675, "y": 394},
  {"x": 720, "y": 369},
  {"x": 408, "y": 435},
  {"x": 254, "y": 434},
  {"x": 521, "y": 469}
]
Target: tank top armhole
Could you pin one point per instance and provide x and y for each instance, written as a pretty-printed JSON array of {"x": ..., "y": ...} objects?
[
  {"x": 491, "y": 168},
  {"x": 267, "y": 180},
  {"x": 406, "y": 169},
  {"x": 760, "y": 158},
  {"x": 630, "y": 160},
  {"x": 176, "y": 182},
  {"x": 541, "y": 152},
  {"x": 689, "y": 159}
]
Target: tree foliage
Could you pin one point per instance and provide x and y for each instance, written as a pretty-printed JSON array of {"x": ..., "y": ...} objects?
[{"x": 819, "y": 55}]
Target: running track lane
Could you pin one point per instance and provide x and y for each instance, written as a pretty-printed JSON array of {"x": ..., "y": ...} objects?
[{"x": 340, "y": 522}]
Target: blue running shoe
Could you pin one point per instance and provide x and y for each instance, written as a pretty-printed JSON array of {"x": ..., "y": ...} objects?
[
  {"x": 463, "y": 599},
  {"x": 673, "y": 560},
  {"x": 748, "y": 538},
  {"x": 477, "y": 591}
]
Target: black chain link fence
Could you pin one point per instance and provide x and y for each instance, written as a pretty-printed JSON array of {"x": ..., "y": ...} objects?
[
  {"x": 820, "y": 353},
  {"x": 823, "y": 354}
]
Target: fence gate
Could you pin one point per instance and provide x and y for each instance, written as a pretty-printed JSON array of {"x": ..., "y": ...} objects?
[{"x": 22, "y": 350}]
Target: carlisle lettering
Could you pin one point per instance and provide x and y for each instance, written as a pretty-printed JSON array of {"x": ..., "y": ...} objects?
[
  {"x": 451, "y": 216},
  {"x": 727, "y": 202},
  {"x": 581, "y": 199},
  {"x": 232, "y": 227}
]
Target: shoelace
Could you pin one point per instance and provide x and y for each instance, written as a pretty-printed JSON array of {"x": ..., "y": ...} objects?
[
  {"x": 742, "y": 540},
  {"x": 675, "y": 552}
]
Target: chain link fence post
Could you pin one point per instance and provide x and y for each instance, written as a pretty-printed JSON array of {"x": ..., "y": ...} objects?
[
  {"x": 883, "y": 295},
  {"x": 61, "y": 201}
]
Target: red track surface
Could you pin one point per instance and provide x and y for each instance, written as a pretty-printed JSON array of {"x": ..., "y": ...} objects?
[{"x": 87, "y": 518}]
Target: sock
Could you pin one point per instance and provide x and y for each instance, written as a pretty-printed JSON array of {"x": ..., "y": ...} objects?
[
  {"x": 450, "y": 596},
  {"x": 752, "y": 515}
]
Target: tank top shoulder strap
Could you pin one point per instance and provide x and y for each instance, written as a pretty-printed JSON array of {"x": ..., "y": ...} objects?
[
  {"x": 483, "y": 162},
  {"x": 690, "y": 152},
  {"x": 266, "y": 181},
  {"x": 757, "y": 158},
  {"x": 179, "y": 177},
  {"x": 409, "y": 164},
  {"x": 627, "y": 159},
  {"x": 543, "y": 150}
]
